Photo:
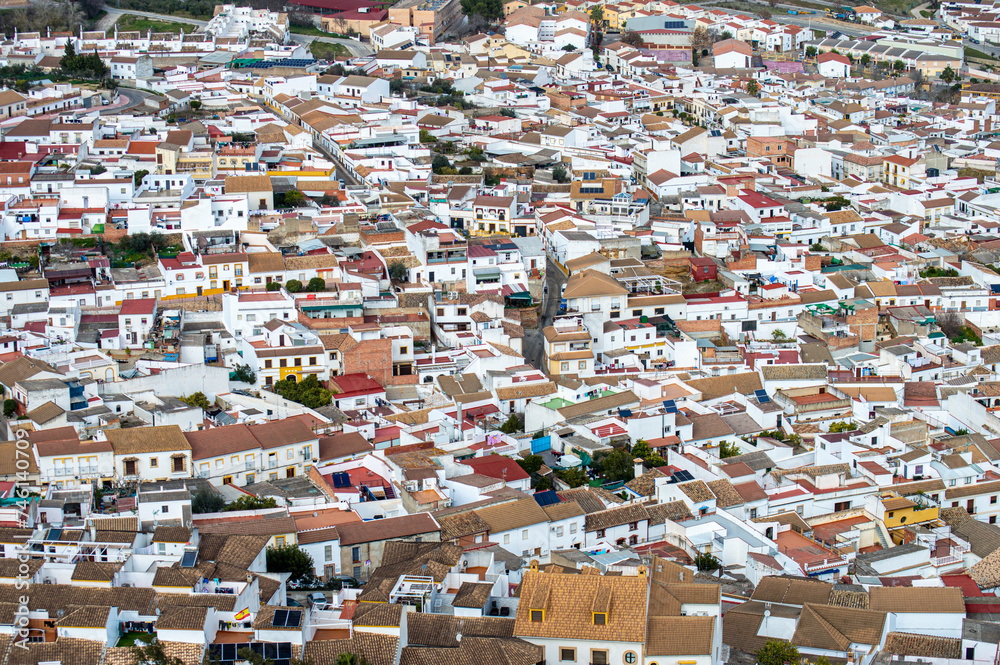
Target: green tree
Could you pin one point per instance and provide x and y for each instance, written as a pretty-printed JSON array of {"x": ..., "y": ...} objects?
[
  {"x": 273, "y": 286},
  {"x": 511, "y": 425},
  {"x": 543, "y": 484},
  {"x": 778, "y": 336},
  {"x": 293, "y": 198},
  {"x": 726, "y": 35},
  {"x": 316, "y": 284},
  {"x": 244, "y": 373},
  {"x": 398, "y": 271},
  {"x": 138, "y": 176},
  {"x": 249, "y": 502},
  {"x": 195, "y": 105},
  {"x": 293, "y": 286},
  {"x": 531, "y": 463},
  {"x": 574, "y": 477},
  {"x": 427, "y": 137},
  {"x": 843, "y": 426},
  {"x": 822, "y": 660},
  {"x": 9, "y": 407},
  {"x": 777, "y": 652},
  {"x": 207, "y": 500},
  {"x": 753, "y": 88},
  {"x": 490, "y": 10},
  {"x": 631, "y": 38},
  {"x": 705, "y": 561},
  {"x": 197, "y": 399},
  {"x": 898, "y": 67},
  {"x": 948, "y": 75},
  {"x": 290, "y": 559},
  {"x": 865, "y": 60},
  {"x": 728, "y": 449},
  {"x": 68, "y": 60},
  {"x": 153, "y": 654},
  {"x": 307, "y": 392},
  {"x": 559, "y": 173},
  {"x": 810, "y": 51},
  {"x": 508, "y": 112},
  {"x": 617, "y": 465},
  {"x": 347, "y": 658},
  {"x": 597, "y": 17},
  {"x": 440, "y": 164}
]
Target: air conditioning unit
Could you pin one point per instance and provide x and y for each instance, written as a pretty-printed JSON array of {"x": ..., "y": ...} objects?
[
  {"x": 410, "y": 486},
  {"x": 127, "y": 584}
]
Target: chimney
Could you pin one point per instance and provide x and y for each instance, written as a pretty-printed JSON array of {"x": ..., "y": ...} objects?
[{"x": 638, "y": 466}]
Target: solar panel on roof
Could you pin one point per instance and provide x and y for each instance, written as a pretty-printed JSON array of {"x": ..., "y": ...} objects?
[
  {"x": 546, "y": 498},
  {"x": 228, "y": 652},
  {"x": 279, "y": 619},
  {"x": 284, "y": 650},
  {"x": 761, "y": 396},
  {"x": 670, "y": 406},
  {"x": 187, "y": 561},
  {"x": 625, "y": 413},
  {"x": 53, "y": 534},
  {"x": 293, "y": 621}
]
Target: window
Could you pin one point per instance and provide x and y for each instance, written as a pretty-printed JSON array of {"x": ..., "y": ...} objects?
[
  {"x": 537, "y": 615},
  {"x": 600, "y": 533},
  {"x": 506, "y": 539},
  {"x": 524, "y": 534},
  {"x": 279, "y": 541},
  {"x": 599, "y": 657},
  {"x": 572, "y": 527},
  {"x": 567, "y": 654},
  {"x": 328, "y": 553},
  {"x": 290, "y": 454},
  {"x": 312, "y": 360},
  {"x": 219, "y": 463},
  {"x": 559, "y": 532},
  {"x": 154, "y": 462},
  {"x": 564, "y": 367},
  {"x": 298, "y": 362},
  {"x": 403, "y": 350},
  {"x": 630, "y": 658},
  {"x": 952, "y": 482},
  {"x": 633, "y": 526},
  {"x": 283, "y": 362},
  {"x": 178, "y": 464},
  {"x": 600, "y": 618},
  {"x": 267, "y": 364},
  {"x": 355, "y": 554}
]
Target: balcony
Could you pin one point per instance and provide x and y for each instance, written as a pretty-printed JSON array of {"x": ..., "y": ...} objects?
[{"x": 249, "y": 465}]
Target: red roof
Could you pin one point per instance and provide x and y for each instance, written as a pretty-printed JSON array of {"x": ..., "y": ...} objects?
[
  {"x": 138, "y": 306},
  {"x": 497, "y": 466},
  {"x": 357, "y": 384}
]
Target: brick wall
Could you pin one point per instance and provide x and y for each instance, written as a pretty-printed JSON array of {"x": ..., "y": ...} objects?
[
  {"x": 748, "y": 262},
  {"x": 372, "y": 357},
  {"x": 864, "y": 323},
  {"x": 813, "y": 262}
]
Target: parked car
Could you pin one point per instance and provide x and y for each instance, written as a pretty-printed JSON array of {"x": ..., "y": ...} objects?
[
  {"x": 338, "y": 582},
  {"x": 291, "y": 602},
  {"x": 316, "y": 598}
]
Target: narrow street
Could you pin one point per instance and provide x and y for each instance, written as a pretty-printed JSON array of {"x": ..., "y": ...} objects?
[{"x": 533, "y": 339}]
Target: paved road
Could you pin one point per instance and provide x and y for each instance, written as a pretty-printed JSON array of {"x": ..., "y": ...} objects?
[
  {"x": 919, "y": 8},
  {"x": 993, "y": 51},
  {"x": 127, "y": 99},
  {"x": 533, "y": 341}
]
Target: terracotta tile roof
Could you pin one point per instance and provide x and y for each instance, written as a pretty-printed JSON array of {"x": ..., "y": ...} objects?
[
  {"x": 377, "y": 615},
  {"x": 569, "y": 603},
  {"x": 645, "y": 485},
  {"x": 182, "y": 618},
  {"x": 612, "y": 517},
  {"x": 675, "y": 511},
  {"x": 472, "y": 594},
  {"x": 138, "y": 440},
  {"x": 514, "y": 515},
  {"x": 976, "y": 489},
  {"x": 375, "y": 648},
  {"x": 679, "y": 636},
  {"x": 86, "y": 616},
  {"x": 563, "y": 510},
  {"x": 945, "y": 600},
  {"x": 457, "y": 526},
  {"x": 696, "y": 490},
  {"x": 725, "y": 493},
  {"x": 525, "y": 391},
  {"x": 923, "y": 646},
  {"x": 63, "y": 650},
  {"x": 792, "y": 591},
  {"x": 720, "y": 386},
  {"x": 837, "y": 628},
  {"x": 848, "y": 598}
]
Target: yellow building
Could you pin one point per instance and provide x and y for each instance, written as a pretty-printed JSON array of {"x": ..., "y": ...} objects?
[
  {"x": 567, "y": 349},
  {"x": 898, "y": 512}
]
